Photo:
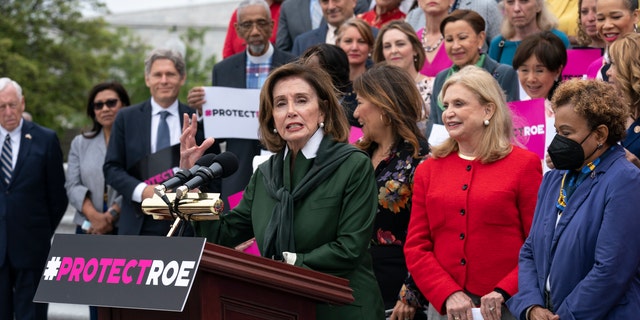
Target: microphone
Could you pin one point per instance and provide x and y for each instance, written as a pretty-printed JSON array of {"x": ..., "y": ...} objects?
[
  {"x": 223, "y": 166},
  {"x": 182, "y": 176}
]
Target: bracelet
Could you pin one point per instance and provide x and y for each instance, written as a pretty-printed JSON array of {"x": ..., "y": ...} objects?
[{"x": 408, "y": 297}]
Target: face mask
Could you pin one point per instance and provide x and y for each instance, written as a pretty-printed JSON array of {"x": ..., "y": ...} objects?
[{"x": 565, "y": 153}]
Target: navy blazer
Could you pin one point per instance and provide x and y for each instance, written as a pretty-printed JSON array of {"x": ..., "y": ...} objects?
[
  {"x": 309, "y": 38},
  {"x": 231, "y": 72},
  {"x": 129, "y": 143},
  {"x": 35, "y": 200},
  {"x": 295, "y": 19},
  {"x": 632, "y": 141},
  {"x": 592, "y": 256}
]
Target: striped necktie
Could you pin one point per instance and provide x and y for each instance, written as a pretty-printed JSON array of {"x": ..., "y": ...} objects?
[{"x": 7, "y": 155}]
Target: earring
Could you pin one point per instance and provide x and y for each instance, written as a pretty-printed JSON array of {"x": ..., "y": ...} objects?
[
  {"x": 635, "y": 28},
  {"x": 321, "y": 124},
  {"x": 415, "y": 58},
  {"x": 486, "y": 122},
  {"x": 600, "y": 146},
  {"x": 275, "y": 130}
]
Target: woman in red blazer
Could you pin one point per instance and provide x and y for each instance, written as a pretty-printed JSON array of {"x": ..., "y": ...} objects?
[{"x": 473, "y": 204}]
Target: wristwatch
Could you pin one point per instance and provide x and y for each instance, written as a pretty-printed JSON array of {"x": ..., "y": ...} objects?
[{"x": 113, "y": 213}]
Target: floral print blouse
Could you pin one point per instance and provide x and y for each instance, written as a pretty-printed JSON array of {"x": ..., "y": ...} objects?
[{"x": 394, "y": 177}]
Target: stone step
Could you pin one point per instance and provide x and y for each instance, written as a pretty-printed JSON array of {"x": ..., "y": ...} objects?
[{"x": 63, "y": 311}]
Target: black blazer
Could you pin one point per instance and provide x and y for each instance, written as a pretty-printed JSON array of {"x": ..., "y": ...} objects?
[
  {"x": 35, "y": 200},
  {"x": 129, "y": 143},
  {"x": 231, "y": 72}
]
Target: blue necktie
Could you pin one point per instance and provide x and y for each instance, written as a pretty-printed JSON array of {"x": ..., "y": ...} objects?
[
  {"x": 163, "y": 140},
  {"x": 7, "y": 168},
  {"x": 316, "y": 14}
]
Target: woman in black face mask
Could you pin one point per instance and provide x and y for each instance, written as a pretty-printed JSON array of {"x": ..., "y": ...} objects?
[{"x": 582, "y": 256}]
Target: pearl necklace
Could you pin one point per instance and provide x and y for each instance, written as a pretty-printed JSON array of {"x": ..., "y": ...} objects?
[{"x": 426, "y": 47}]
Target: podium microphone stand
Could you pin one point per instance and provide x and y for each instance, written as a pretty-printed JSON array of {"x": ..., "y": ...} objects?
[{"x": 191, "y": 207}]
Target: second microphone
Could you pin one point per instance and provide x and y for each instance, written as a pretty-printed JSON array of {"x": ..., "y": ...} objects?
[{"x": 223, "y": 166}]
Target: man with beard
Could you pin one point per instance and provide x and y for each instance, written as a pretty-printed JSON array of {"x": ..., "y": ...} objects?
[{"x": 248, "y": 69}]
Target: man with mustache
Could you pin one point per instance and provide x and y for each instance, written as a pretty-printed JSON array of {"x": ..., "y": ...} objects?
[{"x": 248, "y": 69}]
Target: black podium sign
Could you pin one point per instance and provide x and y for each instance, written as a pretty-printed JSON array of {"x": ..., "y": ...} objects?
[{"x": 134, "y": 272}]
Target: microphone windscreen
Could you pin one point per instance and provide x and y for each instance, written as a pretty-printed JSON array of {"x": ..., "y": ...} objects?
[
  {"x": 207, "y": 160},
  {"x": 229, "y": 163}
]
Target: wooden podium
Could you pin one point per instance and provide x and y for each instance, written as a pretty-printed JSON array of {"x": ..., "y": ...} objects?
[{"x": 237, "y": 286}]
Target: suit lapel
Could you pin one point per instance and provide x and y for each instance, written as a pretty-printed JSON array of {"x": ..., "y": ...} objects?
[
  {"x": 26, "y": 140},
  {"x": 632, "y": 135},
  {"x": 145, "y": 125},
  {"x": 240, "y": 70},
  {"x": 182, "y": 110},
  {"x": 575, "y": 202},
  {"x": 304, "y": 14},
  {"x": 550, "y": 220}
]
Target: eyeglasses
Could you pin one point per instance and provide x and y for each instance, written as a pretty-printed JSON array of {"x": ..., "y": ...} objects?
[
  {"x": 111, "y": 103},
  {"x": 248, "y": 25}
]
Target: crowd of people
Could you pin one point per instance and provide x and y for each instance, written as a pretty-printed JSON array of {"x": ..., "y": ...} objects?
[{"x": 476, "y": 222}]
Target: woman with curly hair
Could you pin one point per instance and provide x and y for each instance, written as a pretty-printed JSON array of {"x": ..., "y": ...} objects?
[{"x": 582, "y": 256}]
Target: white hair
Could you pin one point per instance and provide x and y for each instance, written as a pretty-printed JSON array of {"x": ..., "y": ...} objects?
[
  {"x": 7, "y": 81},
  {"x": 247, "y": 3}
]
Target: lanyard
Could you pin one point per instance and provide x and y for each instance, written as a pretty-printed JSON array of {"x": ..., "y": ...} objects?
[
  {"x": 454, "y": 6},
  {"x": 566, "y": 190}
]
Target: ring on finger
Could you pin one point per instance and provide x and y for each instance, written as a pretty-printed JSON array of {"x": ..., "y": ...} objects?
[
  {"x": 456, "y": 318},
  {"x": 492, "y": 308}
]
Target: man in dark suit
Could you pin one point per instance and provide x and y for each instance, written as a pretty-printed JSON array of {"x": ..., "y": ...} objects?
[
  {"x": 136, "y": 149},
  {"x": 335, "y": 13},
  {"x": 32, "y": 202},
  {"x": 248, "y": 69},
  {"x": 295, "y": 19}
]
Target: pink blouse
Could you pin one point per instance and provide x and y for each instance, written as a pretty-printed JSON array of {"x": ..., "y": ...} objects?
[{"x": 440, "y": 60}]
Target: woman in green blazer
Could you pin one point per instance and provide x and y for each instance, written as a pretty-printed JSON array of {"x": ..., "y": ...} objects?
[{"x": 313, "y": 203}]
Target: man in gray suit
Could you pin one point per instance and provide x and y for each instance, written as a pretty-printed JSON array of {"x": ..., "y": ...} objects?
[
  {"x": 295, "y": 19},
  {"x": 248, "y": 69}
]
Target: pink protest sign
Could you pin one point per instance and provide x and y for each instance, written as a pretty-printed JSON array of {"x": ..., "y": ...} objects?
[
  {"x": 253, "y": 249},
  {"x": 234, "y": 199},
  {"x": 354, "y": 134},
  {"x": 578, "y": 61},
  {"x": 529, "y": 124}
]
